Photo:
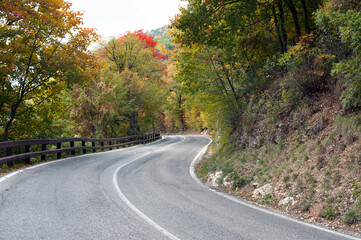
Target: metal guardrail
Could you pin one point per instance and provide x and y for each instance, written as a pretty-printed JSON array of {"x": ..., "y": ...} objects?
[{"x": 25, "y": 151}]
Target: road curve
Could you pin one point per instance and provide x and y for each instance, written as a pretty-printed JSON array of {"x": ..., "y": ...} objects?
[{"x": 142, "y": 192}]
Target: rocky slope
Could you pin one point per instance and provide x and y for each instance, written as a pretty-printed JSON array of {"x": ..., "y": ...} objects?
[{"x": 306, "y": 163}]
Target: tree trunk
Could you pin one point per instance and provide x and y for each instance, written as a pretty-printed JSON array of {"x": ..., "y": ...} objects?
[
  {"x": 314, "y": 4},
  {"x": 306, "y": 17},
  {"x": 136, "y": 128},
  {"x": 181, "y": 118},
  {"x": 294, "y": 13},
  {"x": 14, "y": 107},
  {"x": 282, "y": 21},
  {"x": 6, "y": 130},
  {"x": 279, "y": 36}
]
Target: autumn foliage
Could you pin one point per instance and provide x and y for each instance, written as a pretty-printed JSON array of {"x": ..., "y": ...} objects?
[
  {"x": 127, "y": 96},
  {"x": 43, "y": 51},
  {"x": 148, "y": 41}
]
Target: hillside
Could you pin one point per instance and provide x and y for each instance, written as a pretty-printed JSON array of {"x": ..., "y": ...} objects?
[
  {"x": 280, "y": 93},
  {"x": 163, "y": 37},
  {"x": 311, "y": 157}
]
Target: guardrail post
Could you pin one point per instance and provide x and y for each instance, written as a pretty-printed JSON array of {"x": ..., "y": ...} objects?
[
  {"x": 9, "y": 152},
  {"x": 43, "y": 148},
  {"x": 83, "y": 145},
  {"x": 102, "y": 144},
  {"x": 110, "y": 143},
  {"x": 27, "y": 149},
  {"x": 58, "y": 146},
  {"x": 93, "y": 145},
  {"x": 72, "y": 146}
]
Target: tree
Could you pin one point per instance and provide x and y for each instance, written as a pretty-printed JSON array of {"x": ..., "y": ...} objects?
[
  {"x": 43, "y": 50},
  {"x": 98, "y": 109},
  {"x": 128, "y": 92},
  {"x": 174, "y": 119}
]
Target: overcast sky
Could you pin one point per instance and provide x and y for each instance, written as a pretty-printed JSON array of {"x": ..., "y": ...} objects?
[{"x": 114, "y": 17}]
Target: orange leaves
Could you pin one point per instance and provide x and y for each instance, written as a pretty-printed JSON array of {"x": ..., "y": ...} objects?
[{"x": 149, "y": 41}]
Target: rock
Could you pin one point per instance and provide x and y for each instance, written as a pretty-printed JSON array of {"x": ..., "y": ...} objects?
[
  {"x": 278, "y": 138},
  {"x": 286, "y": 201},
  {"x": 206, "y": 132},
  {"x": 255, "y": 184},
  {"x": 321, "y": 161},
  {"x": 213, "y": 179},
  {"x": 263, "y": 191},
  {"x": 318, "y": 124},
  {"x": 227, "y": 182}
]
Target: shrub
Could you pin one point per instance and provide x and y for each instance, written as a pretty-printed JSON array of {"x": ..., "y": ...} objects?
[
  {"x": 346, "y": 24},
  {"x": 330, "y": 213},
  {"x": 308, "y": 66},
  {"x": 238, "y": 181},
  {"x": 286, "y": 178},
  {"x": 269, "y": 199},
  {"x": 352, "y": 216}
]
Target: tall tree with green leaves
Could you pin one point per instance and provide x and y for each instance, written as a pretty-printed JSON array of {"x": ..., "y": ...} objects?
[
  {"x": 43, "y": 50},
  {"x": 229, "y": 43}
]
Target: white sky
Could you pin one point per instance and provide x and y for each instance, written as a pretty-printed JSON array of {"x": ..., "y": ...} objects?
[{"x": 114, "y": 17}]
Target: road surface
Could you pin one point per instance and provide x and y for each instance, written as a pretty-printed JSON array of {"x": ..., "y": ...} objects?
[{"x": 142, "y": 192}]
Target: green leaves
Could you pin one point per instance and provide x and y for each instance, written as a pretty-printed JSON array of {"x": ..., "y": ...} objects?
[
  {"x": 345, "y": 24},
  {"x": 43, "y": 50},
  {"x": 127, "y": 96}
]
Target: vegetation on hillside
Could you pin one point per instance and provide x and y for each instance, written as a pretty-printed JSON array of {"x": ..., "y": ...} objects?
[{"x": 163, "y": 37}]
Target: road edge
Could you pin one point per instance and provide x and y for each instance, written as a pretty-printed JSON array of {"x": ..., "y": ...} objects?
[{"x": 192, "y": 172}]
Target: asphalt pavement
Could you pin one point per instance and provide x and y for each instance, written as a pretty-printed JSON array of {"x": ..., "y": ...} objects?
[{"x": 143, "y": 192}]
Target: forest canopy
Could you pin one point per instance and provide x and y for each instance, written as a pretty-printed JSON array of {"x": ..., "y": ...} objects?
[{"x": 201, "y": 72}]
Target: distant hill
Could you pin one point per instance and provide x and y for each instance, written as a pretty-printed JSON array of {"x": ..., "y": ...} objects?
[{"x": 162, "y": 36}]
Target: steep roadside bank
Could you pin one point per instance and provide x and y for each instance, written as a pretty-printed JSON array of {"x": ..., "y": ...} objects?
[{"x": 306, "y": 164}]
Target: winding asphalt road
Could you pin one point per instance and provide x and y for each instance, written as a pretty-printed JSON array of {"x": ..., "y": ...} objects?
[{"x": 143, "y": 192}]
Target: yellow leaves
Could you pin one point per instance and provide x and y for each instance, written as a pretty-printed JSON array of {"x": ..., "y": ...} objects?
[
  {"x": 318, "y": 73},
  {"x": 320, "y": 64},
  {"x": 304, "y": 46},
  {"x": 323, "y": 58}
]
